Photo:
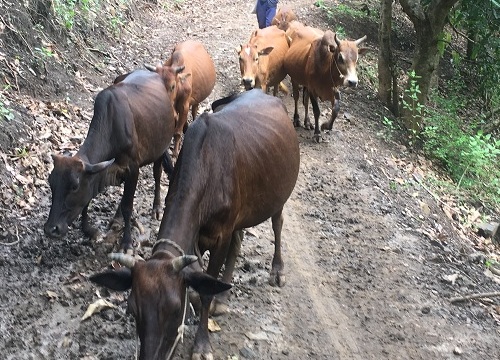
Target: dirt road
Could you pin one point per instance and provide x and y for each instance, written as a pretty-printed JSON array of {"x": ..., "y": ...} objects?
[{"x": 368, "y": 253}]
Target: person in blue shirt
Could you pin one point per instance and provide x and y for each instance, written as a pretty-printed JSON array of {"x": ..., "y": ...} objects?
[{"x": 266, "y": 10}]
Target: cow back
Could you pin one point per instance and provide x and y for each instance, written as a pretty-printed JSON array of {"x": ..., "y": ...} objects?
[
  {"x": 237, "y": 166},
  {"x": 193, "y": 55},
  {"x": 273, "y": 63},
  {"x": 133, "y": 119}
]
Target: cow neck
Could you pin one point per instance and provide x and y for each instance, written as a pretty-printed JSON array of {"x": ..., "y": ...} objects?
[{"x": 97, "y": 146}]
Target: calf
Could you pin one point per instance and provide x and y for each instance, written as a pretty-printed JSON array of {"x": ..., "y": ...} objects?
[
  {"x": 237, "y": 168},
  {"x": 321, "y": 63},
  {"x": 132, "y": 126},
  {"x": 189, "y": 76},
  {"x": 262, "y": 59},
  {"x": 284, "y": 17}
]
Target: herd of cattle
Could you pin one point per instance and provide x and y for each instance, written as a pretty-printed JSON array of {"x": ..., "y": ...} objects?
[{"x": 237, "y": 167}]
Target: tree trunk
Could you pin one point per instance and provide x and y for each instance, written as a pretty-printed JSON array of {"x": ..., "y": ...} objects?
[
  {"x": 385, "y": 62},
  {"x": 428, "y": 21}
]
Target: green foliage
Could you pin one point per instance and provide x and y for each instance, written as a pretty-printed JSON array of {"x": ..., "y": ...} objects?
[
  {"x": 45, "y": 52},
  {"x": 340, "y": 9},
  {"x": 411, "y": 102},
  {"x": 69, "y": 12},
  {"x": 5, "y": 113},
  {"x": 480, "y": 21},
  {"x": 471, "y": 157}
]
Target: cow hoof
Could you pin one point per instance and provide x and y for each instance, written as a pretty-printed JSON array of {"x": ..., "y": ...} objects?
[
  {"x": 317, "y": 137},
  {"x": 277, "y": 279},
  {"x": 157, "y": 213},
  {"x": 207, "y": 356}
]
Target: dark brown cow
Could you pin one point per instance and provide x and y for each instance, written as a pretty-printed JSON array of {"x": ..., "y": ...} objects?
[
  {"x": 321, "y": 63},
  {"x": 262, "y": 59},
  {"x": 189, "y": 76},
  {"x": 132, "y": 126},
  {"x": 237, "y": 168},
  {"x": 283, "y": 17}
]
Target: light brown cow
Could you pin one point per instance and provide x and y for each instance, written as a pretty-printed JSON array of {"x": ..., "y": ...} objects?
[
  {"x": 189, "y": 76},
  {"x": 322, "y": 64},
  {"x": 262, "y": 59},
  {"x": 283, "y": 17}
]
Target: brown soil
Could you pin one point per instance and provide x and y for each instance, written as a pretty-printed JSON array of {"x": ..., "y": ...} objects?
[{"x": 372, "y": 260}]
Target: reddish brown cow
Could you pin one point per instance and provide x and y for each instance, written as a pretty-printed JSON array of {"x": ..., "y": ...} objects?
[
  {"x": 237, "y": 168},
  {"x": 321, "y": 63},
  {"x": 262, "y": 59},
  {"x": 189, "y": 76},
  {"x": 283, "y": 17},
  {"x": 132, "y": 126}
]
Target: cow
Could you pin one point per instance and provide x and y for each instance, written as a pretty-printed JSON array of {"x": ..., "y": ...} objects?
[
  {"x": 284, "y": 17},
  {"x": 262, "y": 59},
  {"x": 237, "y": 168},
  {"x": 132, "y": 126},
  {"x": 322, "y": 64},
  {"x": 189, "y": 75}
]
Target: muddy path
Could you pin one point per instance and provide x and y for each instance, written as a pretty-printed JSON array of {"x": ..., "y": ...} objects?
[{"x": 367, "y": 250}]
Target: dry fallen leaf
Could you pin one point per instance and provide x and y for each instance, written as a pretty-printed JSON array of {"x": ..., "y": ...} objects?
[
  {"x": 96, "y": 307},
  {"x": 213, "y": 326},
  {"x": 52, "y": 295}
]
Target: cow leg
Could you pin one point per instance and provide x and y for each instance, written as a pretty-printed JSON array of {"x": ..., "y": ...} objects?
[
  {"x": 88, "y": 230},
  {"x": 127, "y": 205},
  {"x": 183, "y": 115},
  {"x": 219, "y": 304},
  {"x": 317, "y": 131},
  {"x": 157, "y": 206},
  {"x": 295, "y": 92},
  {"x": 194, "y": 113},
  {"x": 305, "y": 102},
  {"x": 277, "y": 276},
  {"x": 335, "y": 112},
  {"x": 116, "y": 223},
  {"x": 202, "y": 349}
]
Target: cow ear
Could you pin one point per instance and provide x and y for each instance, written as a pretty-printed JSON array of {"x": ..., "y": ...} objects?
[
  {"x": 363, "y": 51},
  {"x": 183, "y": 77},
  {"x": 266, "y": 51},
  {"x": 205, "y": 284},
  {"x": 119, "y": 280},
  {"x": 95, "y": 168}
]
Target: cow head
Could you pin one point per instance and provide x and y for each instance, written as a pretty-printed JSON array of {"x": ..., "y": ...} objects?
[
  {"x": 157, "y": 298},
  {"x": 249, "y": 57},
  {"x": 71, "y": 183},
  {"x": 345, "y": 57},
  {"x": 169, "y": 74}
]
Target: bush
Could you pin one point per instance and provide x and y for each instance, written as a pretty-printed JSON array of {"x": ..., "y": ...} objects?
[{"x": 471, "y": 157}]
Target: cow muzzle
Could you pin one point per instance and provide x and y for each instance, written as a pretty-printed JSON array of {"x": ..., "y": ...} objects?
[
  {"x": 55, "y": 230},
  {"x": 248, "y": 83}
]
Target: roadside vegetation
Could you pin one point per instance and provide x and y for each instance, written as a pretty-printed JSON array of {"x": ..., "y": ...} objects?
[{"x": 452, "y": 115}]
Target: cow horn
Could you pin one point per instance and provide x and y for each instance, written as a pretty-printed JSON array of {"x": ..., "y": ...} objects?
[
  {"x": 181, "y": 262},
  {"x": 179, "y": 69},
  {"x": 360, "y": 40},
  {"x": 95, "y": 168},
  {"x": 124, "y": 259},
  {"x": 337, "y": 41},
  {"x": 150, "y": 67}
]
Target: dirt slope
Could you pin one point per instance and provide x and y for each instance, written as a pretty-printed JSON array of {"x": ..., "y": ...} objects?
[{"x": 368, "y": 252}]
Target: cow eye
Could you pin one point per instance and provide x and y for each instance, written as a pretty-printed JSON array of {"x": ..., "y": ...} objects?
[
  {"x": 172, "y": 87},
  {"x": 340, "y": 59}
]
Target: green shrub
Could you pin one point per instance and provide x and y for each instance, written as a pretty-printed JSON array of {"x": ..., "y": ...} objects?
[{"x": 471, "y": 157}]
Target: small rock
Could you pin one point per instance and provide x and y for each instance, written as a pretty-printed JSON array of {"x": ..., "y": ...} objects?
[
  {"x": 457, "y": 351},
  {"x": 426, "y": 309},
  {"x": 489, "y": 230},
  {"x": 248, "y": 353},
  {"x": 477, "y": 257}
]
